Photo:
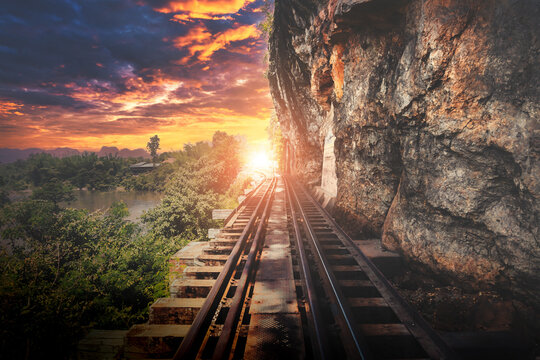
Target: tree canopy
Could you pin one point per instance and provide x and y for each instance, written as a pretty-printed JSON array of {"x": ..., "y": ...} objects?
[
  {"x": 63, "y": 271},
  {"x": 153, "y": 147}
]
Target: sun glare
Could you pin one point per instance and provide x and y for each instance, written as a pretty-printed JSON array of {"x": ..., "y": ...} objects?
[{"x": 260, "y": 161}]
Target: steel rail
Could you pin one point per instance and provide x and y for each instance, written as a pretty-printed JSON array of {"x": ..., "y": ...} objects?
[
  {"x": 243, "y": 202},
  {"x": 360, "y": 349},
  {"x": 200, "y": 324},
  {"x": 432, "y": 343},
  {"x": 229, "y": 327},
  {"x": 319, "y": 342}
]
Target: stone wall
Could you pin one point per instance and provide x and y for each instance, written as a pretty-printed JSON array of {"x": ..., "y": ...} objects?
[{"x": 434, "y": 106}]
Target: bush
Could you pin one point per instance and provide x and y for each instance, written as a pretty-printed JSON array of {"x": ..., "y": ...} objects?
[{"x": 65, "y": 270}]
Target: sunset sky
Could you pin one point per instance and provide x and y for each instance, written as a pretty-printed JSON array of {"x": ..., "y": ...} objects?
[{"x": 87, "y": 73}]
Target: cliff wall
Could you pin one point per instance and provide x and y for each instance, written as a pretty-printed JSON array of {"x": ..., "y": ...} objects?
[{"x": 434, "y": 107}]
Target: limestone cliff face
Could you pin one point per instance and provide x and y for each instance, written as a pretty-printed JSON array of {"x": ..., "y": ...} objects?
[{"x": 434, "y": 107}]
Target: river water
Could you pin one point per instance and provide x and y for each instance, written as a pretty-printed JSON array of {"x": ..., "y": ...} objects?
[{"x": 137, "y": 201}]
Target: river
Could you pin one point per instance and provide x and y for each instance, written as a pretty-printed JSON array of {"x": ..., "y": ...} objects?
[{"x": 137, "y": 201}]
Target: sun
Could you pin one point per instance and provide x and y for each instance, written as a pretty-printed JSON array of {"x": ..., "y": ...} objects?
[{"x": 260, "y": 160}]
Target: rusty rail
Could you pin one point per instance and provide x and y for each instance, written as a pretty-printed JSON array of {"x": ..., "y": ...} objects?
[
  {"x": 190, "y": 346},
  {"x": 353, "y": 340},
  {"x": 248, "y": 195},
  {"x": 248, "y": 272},
  {"x": 338, "y": 323},
  {"x": 319, "y": 343},
  {"x": 432, "y": 343}
]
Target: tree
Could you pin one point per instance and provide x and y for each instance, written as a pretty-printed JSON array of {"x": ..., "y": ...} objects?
[
  {"x": 54, "y": 191},
  {"x": 4, "y": 198},
  {"x": 185, "y": 212},
  {"x": 224, "y": 161},
  {"x": 68, "y": 270},
  {"x": 153, "y": 147}
]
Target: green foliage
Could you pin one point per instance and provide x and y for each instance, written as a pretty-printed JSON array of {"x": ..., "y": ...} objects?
[
  {"x": 153, "y": 147},
  {"x": 185, "y": 211},
  {"x": 105, "y": 173},
  {"x": 154, "y": 180},
  {"x": 195, "y": 151},
  {"x": 196, "y": 188},
  {"x": 86, "y": 170},
  {"x": 230, "y": 199},
  {"x": 203, "y": 152},
  {"x": 4, "y": 198},
  {"x": 63, "y": 271},
  {"x": 223, "y": 162},
  {"x": 266, "y": 26},
  {"x": 56, "y": 192},
  {"x": 118, "y": 210}
]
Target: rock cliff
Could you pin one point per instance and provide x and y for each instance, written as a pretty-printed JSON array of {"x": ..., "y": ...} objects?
[{"x": 434, "y": 108}]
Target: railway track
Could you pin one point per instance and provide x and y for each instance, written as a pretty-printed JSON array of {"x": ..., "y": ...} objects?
[
  {"x": 355, "y": 312},
  {"x": 217, "y": 329},
  {"x": 324, "y": 298}
]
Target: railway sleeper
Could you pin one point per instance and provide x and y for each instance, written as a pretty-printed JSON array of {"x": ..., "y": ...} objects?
[
  {"x": 374, "y": 314},
  {"x": 342, "y": 273},
  {"x": 208, "y": 259},
  {"x": 368, "y": 291},
  {"x": 156, "y": 341},
  {"x": 231, "y": 231},
  {"x": 223, "y": 242},
  {"x": 202, "y": 272},
  {"x": 229, "y": 235},
  {"x": 218, "y": 250},
  {"x": 341, "y": 259},
  {"x": 179, "y": 311},
  {"x": 191, "y": 288},
  {"x": 243, "y": 218},
  {"x": 330, "y": 242},
  {"x": 386, "y": 345},
  {"x": 333, "y": 246}
]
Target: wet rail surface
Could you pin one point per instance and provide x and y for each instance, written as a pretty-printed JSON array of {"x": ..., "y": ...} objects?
[{"x": 347, "y": 309}]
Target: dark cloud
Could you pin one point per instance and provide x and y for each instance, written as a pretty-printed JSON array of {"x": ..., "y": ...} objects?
[
  {"x": 43, "y": 98},
  {"x": 77, "y": 67}
]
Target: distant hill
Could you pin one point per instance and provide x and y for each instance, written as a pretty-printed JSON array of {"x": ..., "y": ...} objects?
[
  {"x": 124, "y": 153},
  {"x": 12, "y": 155}
]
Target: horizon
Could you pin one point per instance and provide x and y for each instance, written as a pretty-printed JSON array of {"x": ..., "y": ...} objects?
[
  {"x": 119, "y": 73},
  {"x": 9, "y": 155},
  {"x": 162, "y": 150}
]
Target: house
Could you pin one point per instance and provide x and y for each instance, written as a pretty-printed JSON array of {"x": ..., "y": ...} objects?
[{"x": 142, "y": 167}]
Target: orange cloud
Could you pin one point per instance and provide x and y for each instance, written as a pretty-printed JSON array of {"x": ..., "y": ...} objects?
[
  {"x": 197, "y": 34},
  {"x": 244, "y": 50},
  {"x": 188, "y": 17},
  {"x": 9, "y": 108},
  {"x": 139, "y": 92},
  {"x": 212, "y": 7},
  {"x": 202, "y": 44}
]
